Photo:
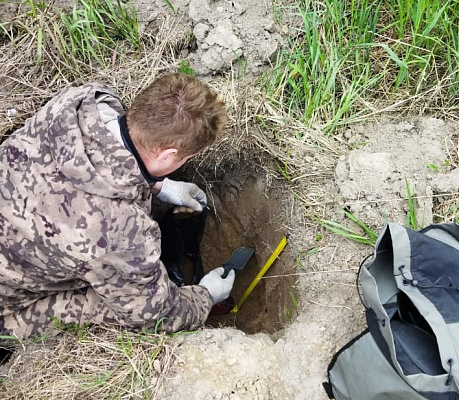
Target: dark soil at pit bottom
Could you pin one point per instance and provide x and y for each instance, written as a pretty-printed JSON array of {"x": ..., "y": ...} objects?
[{"x": 244, "y": 215}]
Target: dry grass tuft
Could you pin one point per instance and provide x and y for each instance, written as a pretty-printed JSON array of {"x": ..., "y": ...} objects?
[
  {"x": 261, "y": 135},
  {"x": 26, "y": 83},
  {"x": 446, "y": 208},
  {"x": 100, "y": 363},
  {"x": 300, "y": 152}
]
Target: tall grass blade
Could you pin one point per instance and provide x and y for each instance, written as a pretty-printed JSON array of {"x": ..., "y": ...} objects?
[
  {"x": 345, "y": 232},
  {"x": 411, "y": 217}
]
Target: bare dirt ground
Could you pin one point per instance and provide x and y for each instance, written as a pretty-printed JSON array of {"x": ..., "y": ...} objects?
[
  {"x": 279, "y": 344},
  {"x": 291, "y": 361}
]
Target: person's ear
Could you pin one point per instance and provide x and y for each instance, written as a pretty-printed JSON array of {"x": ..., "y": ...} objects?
[{"x": 166, "y": 153}]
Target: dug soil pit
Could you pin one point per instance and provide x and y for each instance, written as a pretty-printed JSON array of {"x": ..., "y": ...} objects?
[{"x": 248, "y": 215}]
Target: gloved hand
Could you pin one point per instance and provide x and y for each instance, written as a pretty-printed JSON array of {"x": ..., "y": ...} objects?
[
  {"x": 218, "y": 287},
  {"x": 182, "y": 194}
]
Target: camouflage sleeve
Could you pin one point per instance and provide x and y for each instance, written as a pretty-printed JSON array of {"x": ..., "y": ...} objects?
[{"x": 131, "y": 283}]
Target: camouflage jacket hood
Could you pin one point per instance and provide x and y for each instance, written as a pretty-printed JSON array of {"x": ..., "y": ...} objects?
[
  {"x": 76, "y": 238},
  {"x": 85, "y": 152}
]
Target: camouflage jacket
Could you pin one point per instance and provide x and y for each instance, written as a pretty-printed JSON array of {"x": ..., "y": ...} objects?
[{"x": 76, "y": 238}]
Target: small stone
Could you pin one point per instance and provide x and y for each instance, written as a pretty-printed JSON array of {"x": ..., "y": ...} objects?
[
  {"x": 270, "y": 26},
  {"x": 348, "y": 134},
  {"x": 200, "y": 31},
  {"x": 199, "y": 10},
  {"x": 11, "y": 112},
  {"x": 270, "y": 49},
  {"x": 223, "y": 36},
  {"x": 404, "y": 126},
  {"x": 157, "y": 366},
  {"x": 239, "y": 9},
  {"x": 152, "y": 381}
]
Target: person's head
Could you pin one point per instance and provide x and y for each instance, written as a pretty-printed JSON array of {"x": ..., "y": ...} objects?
[{"x": 177, "y": 114}]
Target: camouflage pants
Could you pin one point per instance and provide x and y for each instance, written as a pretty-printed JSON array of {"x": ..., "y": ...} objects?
[
  {"x": 43, "y": 316},
  {"x": 86, "y": 306}
]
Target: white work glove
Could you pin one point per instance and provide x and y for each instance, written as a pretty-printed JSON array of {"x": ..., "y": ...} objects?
[
  {"x": 182, "y": 194},
  {"x": 218, "y": 287}
]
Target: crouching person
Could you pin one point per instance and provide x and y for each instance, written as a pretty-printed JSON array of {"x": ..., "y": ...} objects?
[{"x": 77, "y": 241}]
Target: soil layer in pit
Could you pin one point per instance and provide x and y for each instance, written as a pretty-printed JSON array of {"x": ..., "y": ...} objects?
[{"x": 243, "y": 215}]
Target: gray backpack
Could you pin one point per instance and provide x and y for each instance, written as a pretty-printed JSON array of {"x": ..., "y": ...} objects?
[{"x": 410, "y": 349}]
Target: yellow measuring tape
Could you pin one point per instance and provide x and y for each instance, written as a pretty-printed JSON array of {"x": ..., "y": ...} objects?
[{"x": 268, "y": 263}]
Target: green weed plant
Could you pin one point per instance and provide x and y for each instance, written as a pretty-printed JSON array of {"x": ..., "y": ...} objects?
[
  {"x": 185, "y": 68},
  {"x": 366, "y": 235}
]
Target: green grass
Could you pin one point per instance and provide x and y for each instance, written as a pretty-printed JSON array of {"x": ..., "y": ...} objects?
[
  {"x": 452, "y": 213},
  {"x": 287, "y": 311},
  {"x": 412, "y": 215},
  {"x": 89, "y": 34},
  {"x": 447, "y": 210},
  {"x": 95, "y": 27},
  {"x": 8, "y": 338},
  {"x": 346, "y": 58},
  {"x": 170, "y": 5},
  {"x": 283, "y": 167},
  {"x": 185, "y": 68},
  {"x": 365, "y": 234}
]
